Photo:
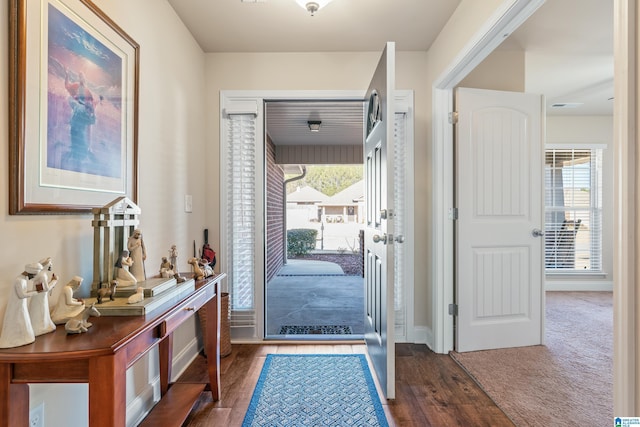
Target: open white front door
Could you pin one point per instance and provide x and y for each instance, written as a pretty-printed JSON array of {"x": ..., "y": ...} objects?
[
  {"x": 379, "y": 238},
  {"x": 499, "y": 269}
]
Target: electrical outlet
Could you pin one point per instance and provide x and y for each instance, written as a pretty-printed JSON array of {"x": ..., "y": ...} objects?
[{"x": 36, "y": 416}]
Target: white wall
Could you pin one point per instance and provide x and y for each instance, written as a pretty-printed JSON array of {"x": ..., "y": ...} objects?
[
  {"x": 501, "y": 70},
  {"x": 172, "y": 163}
]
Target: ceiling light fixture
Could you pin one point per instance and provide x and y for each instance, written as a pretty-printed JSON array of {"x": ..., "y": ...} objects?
[
  {"x": 314, "y": 125},
  {"x": 312, "y": 6}
]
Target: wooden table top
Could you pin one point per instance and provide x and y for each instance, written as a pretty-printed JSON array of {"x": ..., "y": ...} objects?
[{"x": 107, "y": 335}]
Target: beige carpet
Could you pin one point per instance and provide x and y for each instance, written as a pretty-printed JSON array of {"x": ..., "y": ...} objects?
[{"x": 568, "y": 381}]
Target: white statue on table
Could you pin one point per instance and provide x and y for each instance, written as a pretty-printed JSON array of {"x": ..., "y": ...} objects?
[
  {"x": 137, "y": 297},
  {"x": 166, "y": 268},
  {"x": 123, "y": 270},
  {"x": 39, "y": 310},
  {"x": 138, "y": 253},
  {"x": 68, "y": 306},
  {"x": 173, "y": 257},
  {"x": 16, "y": 328},
  {"x": 80, "y": 323}
]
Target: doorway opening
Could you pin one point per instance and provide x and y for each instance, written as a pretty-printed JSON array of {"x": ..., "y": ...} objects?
[
  {"x": 257, "y": 144},
  {"x": 319, "y": 290}
]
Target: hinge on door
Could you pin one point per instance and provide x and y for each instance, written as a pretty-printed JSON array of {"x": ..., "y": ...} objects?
[
  {"x": 453, "y": 214},
  {"x": 453, "y": 309},
  {"x": 453, "y": 117}
]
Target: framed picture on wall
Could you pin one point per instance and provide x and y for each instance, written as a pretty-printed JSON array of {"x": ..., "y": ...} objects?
[{"x": 73, "y": 91}]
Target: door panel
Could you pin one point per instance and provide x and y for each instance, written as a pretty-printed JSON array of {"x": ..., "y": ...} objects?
[
  {"x": 379, "y": 274},
  {"x": 499, "y": 196}
]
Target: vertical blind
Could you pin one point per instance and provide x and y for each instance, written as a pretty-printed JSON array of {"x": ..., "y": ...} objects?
[
  {"x": 399, "y": 136},
  {"x": 241, "y": 216},
  {"x": 573, "y": 210}
]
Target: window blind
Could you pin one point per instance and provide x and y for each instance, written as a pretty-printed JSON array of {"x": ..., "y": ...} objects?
[
  {"x": 399, "y": 136},
  {"x": 241, "y": 216},
  {"x": 573, "y": 210}
]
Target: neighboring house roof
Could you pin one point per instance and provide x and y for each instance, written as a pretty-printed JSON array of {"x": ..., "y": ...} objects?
[
  {"x": 350, "y": 196},
  {"x": 306, "y": 195}
]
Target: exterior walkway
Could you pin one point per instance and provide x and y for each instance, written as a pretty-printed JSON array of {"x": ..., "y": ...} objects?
[{"x": 308, "y": 293}]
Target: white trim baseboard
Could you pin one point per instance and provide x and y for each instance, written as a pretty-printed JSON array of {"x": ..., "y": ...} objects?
[
  {"x": 142, "y": 404},
  {"x": 423, "y": 335},
  {"x": 579, "y": 285},
  {"x": 144, "y": 401}
]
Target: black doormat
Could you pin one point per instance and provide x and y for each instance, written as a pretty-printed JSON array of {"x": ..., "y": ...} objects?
[{"x": 316, "y": 330}]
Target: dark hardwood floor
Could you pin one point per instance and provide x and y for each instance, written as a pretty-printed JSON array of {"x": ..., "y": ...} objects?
[{"x": 431, "y": 389}]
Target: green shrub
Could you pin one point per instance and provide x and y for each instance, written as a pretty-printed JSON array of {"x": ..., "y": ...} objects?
[{"x": 300, "y": 241}]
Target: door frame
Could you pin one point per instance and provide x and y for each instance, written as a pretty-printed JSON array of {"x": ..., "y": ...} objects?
[
  {"x": 504, "y": 21},
  {"x": 252, "y": 100}
]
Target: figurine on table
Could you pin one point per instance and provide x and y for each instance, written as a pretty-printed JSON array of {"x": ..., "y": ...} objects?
[
  {"x": 166, "y": 268},
  {"x": 123, "y": 270},
  {"x": 173, "y": 256},
  {"x": 16, "y": 327},
  {"x": 68, "y": 306},
  {"x": 138, "y": 253},
  {"x": 39, "y": 311}
]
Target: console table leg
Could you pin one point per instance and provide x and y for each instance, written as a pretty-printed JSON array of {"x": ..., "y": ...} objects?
[
  {"x": 14, "y": 400},
  {"x": 108, "y": 390},
  {"x": 165, "y": 352},
  {"x": 213, "y": 345}
]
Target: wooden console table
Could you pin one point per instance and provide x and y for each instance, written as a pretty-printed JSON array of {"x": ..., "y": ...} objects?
[{"x": 102, "y": 355}]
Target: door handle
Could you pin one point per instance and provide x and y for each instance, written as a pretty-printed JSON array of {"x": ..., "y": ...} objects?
[
  {"x": 377, "y": 238},
  {"x": 399, "y": 238},
  {"x": 536, "y": 232}
]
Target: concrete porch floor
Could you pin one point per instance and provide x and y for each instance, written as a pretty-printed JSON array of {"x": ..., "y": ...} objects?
[{"x": 314, "y": 293}]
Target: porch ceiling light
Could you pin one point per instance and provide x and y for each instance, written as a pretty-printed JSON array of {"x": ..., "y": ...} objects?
[
  {"x": 312, "y": 6},
  {"x": 314, "y": 125}
]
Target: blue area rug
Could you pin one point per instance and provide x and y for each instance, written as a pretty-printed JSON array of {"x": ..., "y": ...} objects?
[{"x": 315, "y": 390}]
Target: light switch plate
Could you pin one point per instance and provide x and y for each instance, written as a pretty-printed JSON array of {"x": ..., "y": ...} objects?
[{"x": 188, "y": 203}]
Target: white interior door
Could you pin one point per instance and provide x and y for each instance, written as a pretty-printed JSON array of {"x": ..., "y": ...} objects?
[
  {"x": 499, "y": 248},
  {"x": 379, "y": 238}
]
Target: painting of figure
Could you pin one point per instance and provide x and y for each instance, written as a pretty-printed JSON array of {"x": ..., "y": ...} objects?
[{"x": 84, "y": 99}]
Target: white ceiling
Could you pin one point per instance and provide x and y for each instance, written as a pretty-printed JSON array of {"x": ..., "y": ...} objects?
[
  {"x": 569, "y": 50},
  {"x": 341, "y": 26},
  {"x": 568, "y": 44}
]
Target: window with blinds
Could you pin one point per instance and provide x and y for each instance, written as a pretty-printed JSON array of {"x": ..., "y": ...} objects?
[
  {"x": 241, "y": 214},
  {"x": 573, "y": 210}
]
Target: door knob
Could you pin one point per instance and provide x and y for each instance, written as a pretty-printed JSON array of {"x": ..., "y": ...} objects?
[
  {"x": 399, "y": 238},
  {"x": 377, "y": 238},
  {"x": 536, "y": 232}
]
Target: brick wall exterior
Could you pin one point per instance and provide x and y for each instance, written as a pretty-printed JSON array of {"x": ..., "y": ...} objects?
[{"x": 275, "y": 213}]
